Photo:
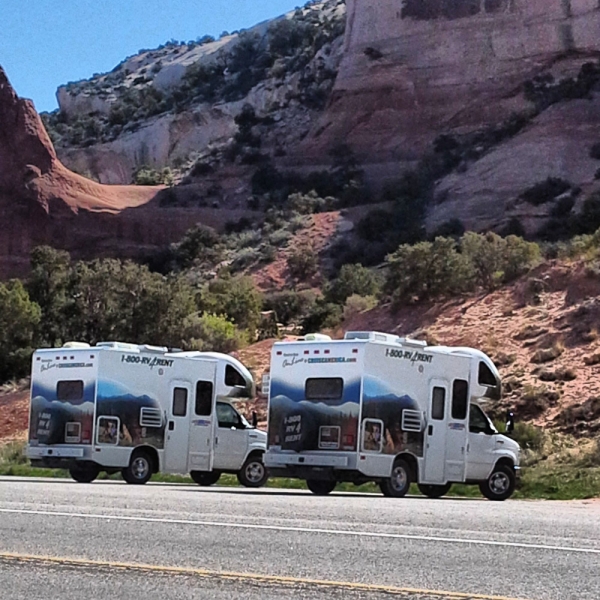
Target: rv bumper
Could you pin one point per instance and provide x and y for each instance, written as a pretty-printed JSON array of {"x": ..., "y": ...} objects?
[
  {"x": 518, "y": 474},
  {"x": 304, "y": 460},
  {"x": 37, "y": 452}
]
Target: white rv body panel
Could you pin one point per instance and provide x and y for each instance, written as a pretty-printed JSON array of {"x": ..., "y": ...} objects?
[
  {"x": 350, "y": 407},
  {"x": 99, "y": 404}
]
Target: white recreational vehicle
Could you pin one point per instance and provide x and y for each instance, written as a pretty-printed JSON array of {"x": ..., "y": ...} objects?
[
  {"x": 140, "y": 410},
  {"x": 376, "y": 407}
]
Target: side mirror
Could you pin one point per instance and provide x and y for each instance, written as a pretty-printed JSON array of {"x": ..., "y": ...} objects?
[
  {"x": 254, "y": 419},
  {"x": 510, "y": 422}
]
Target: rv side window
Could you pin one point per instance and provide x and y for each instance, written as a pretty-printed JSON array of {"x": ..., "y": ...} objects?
[
  {"x": 460, "y": 396},
  {"x": 204, "y": 395},
  {"x": 486, "y": 377},
  {"x": 180, "y": 402},
  {"x": 233, "y": 377},
  {"x": 69, "y": 390},
  {"x": 438, "y": 400},
  {"x": 324, "y": 388}
]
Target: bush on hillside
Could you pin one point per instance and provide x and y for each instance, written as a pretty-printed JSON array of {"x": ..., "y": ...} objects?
[{"x": 352, "y": 280}]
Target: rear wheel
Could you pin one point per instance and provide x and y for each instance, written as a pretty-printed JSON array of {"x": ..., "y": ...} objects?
[
  {"x": 140, "y": 468},
  {"x": 500, "y": 485},
  {"x": 434, "y": 491},
  {"x": 398, "y": 484},
  {"x": 253, "y": 474},
  {"x": 205, "y": 478},
  {"x": 84, "y": 473},
  {"x": 320, "y": 487}
]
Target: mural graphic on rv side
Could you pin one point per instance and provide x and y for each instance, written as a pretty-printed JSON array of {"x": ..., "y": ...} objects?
[
  {"x": 382, "y": 404},
  {"x": 66, "y": 421},
  {"x": 120, "y": 417},
  {"x": 298, "y": 424}
]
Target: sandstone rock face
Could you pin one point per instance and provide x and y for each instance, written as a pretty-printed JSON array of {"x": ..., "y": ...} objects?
[
  {"x": 446, "y": 65},
  {"x": 42, "y": 202},
  {"x": 157, "y": 143}
]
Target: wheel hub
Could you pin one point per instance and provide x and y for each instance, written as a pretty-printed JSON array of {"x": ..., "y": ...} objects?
[
  {"x": 399, "y": 478},
  {"x": 140, "y": 468},
  {"x": 499, "y": 483},
  {"x": 255, "y": 471}
]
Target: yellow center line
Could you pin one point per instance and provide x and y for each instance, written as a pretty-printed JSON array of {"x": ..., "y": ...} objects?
[{"x": 244, "y": 577}]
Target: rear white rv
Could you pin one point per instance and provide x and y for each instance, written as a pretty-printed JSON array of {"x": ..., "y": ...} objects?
[
  {"x": 375, "y": 407},
  {"x": 141, "y": 410}
]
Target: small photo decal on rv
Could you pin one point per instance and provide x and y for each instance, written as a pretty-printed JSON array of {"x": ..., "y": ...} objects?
[
  {"x": 329, "y": 438},
  {"x": 108, "y": 430},
  {"x": 73, "y": 433},
  {"x": 372, "y": 438}
]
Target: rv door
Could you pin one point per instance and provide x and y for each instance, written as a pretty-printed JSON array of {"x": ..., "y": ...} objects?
[
  {"x": 435, "y": 436},
  {"x": 178, "y": 428},
  {"x": 203, "y": 420}
]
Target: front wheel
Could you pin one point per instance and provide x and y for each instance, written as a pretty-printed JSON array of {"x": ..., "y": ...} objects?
[
  {"x": 397, "y": 485},
  {"x": 500, "y": 485},
  {"x": 253, "y": 474},
  {"x": 84, "y": 473},
  {"x": 434, "y": 491},
  {"x": 320, "y": 487},
  {"x": 205, "y": 478},
  {"x": 140, "y": 468}
]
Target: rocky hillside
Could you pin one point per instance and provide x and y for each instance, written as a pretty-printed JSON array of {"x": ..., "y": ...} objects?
[
  {"x": 486, "y": 98},
  {"x": 42, "y": 202},
  {"x": 542, "y": 332}
]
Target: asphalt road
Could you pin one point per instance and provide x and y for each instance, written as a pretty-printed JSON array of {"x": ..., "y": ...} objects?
[{"x": 163, "y": 541}]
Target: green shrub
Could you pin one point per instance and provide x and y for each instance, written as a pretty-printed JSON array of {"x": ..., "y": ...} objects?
[
  {"x": 426, "y": 270},
  {"x": 290, "y": 306},
  {"x": 210, "y": 332},
  {"x": 352, "y": 280},
  {"x": 302, "y": 262}
]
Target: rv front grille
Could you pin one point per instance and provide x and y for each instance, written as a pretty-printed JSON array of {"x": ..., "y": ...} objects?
[
  {"x": 150, "y": 417},
  {"x": 411, "y": 420}
]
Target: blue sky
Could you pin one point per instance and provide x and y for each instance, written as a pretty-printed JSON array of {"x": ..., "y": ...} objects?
[{"x": 46, "y": 43}]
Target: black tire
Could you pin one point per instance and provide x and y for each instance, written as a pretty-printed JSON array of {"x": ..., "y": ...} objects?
[
  {"x": 434, "y": 491},
  {"x": 205, "y": 478},
  {"x": 320, "y": 487},
  {"x": 85, "y": 473},
  {"x": 398, "y": 484},
  {"x": 253, "y": 473},
  {"x": 140, "y": 469},
  {"x": 500, "y": 485}
]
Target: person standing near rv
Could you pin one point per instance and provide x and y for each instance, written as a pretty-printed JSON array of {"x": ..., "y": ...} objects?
[{"x": 376, "y": 407}]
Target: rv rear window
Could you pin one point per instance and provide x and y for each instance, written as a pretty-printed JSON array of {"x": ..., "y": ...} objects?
[
  {"x": 204, "y": 395},
  {"x": 324, "y": 388},
  {"x": 486, "y": 377},
  {"x": 69, "y": 390},
  {"x": 233, "y": 377},
  {"x": 460, "y": 396}
]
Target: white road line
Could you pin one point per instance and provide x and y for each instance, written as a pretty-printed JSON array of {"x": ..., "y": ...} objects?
[{"x": 371, "y": 534}]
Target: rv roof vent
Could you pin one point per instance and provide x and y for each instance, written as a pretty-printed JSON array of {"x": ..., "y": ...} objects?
[
  {"x": 75, "y": 345},
  {"x": 358, "y": 335},
  {"x": 157, "y": 349},
  {"x": 316, "y": 337},
  {"x": 411, "y": 342},
  {"x": 375, "y": 336},
  {"x": 119, "y": 346}
]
